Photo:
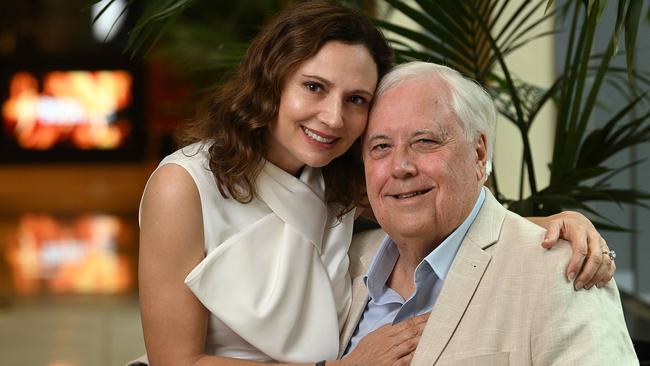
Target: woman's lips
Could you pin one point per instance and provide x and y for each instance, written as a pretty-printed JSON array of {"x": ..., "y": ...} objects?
[{"x": 317, "y": 136}]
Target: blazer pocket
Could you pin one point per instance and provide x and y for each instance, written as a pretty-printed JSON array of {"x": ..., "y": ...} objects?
[{"x": 491, "y": 359}]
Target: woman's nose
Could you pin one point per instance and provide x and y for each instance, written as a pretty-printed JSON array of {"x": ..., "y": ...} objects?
[{"x": 332, "y": 113}]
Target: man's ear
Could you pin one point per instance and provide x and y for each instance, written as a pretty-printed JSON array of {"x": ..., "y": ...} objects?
[{"x": 481, "y": 156}]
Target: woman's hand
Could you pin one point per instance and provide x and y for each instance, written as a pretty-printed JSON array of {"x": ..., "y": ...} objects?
[
  {"x": 590, "y": 264},
  {"x": 387, "y": 345}
]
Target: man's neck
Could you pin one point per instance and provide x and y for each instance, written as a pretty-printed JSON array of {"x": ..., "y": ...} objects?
[{"x": 411, "y": 255}]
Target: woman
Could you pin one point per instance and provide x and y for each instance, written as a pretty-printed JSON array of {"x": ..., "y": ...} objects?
[{"x": 245, "y": 231}]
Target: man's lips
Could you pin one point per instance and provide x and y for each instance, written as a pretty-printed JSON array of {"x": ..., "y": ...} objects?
[
  {"x": 318, "y": 136},
  {"x": 405, "y": 195}
]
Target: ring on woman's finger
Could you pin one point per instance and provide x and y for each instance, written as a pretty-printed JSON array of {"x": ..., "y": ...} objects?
[{"x": 610, "y": 253}]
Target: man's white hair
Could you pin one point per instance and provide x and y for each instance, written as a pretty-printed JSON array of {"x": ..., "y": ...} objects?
[{"x": 471, "y": 103}]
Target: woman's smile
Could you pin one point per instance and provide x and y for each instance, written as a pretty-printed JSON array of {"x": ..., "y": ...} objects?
[{"x": 319, "y": 136}]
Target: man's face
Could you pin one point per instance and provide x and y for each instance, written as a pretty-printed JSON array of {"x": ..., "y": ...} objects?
[{"x": 423, "y": 175}]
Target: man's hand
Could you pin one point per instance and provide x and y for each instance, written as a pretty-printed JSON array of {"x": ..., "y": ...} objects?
[
  {"x": 388, "y": 345},
  {"x": 587, "y": 244}
]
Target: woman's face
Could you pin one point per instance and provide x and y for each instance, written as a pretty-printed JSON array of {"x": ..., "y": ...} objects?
[{"x": 323, "y": 108}]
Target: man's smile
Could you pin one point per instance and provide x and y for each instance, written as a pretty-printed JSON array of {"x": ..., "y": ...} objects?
[{"x": 410, "y": 194}]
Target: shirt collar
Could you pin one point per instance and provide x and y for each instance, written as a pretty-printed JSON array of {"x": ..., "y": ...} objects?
[
  {"x": 439, "y": 259},
  {"x": 381, "y": 267}
]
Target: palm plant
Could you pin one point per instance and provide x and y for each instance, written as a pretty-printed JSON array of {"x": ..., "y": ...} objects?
[{"x": 474, "y": 37}]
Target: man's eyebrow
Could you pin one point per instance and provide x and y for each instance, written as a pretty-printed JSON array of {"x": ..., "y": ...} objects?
[
  {"x": 328, "y": 83},
  {"x": 423, "y": 132},
  {"x": 441, "y": 132},
  {"x": 377, "y": 137}
]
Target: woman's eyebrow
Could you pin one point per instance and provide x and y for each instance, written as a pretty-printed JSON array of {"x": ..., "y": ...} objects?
[
  {"x": 328, "y": 84},
  {"x": 319, "y": 78}
]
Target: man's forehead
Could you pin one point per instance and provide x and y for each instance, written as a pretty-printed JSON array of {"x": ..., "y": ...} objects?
[
  {"x": 420, "y": 87},
  {"x": 413, "y": 105}
]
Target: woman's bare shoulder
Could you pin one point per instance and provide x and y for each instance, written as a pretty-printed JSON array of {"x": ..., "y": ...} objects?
[
  {"x": 170, "y": 183},
  {"x": 170, "y": 217}
]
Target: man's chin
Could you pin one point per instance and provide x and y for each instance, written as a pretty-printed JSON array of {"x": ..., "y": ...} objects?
[{"x": 410, "y": 231}]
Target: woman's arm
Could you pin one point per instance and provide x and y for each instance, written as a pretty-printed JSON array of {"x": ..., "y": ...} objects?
[
  {"x": 588, "y": 265},
  {"x": 171, "y": 245}
]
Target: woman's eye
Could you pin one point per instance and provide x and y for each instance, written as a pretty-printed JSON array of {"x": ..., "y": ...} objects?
[
  {"x": 313, "y": 87},
  {"x": 355, "y": 99}
]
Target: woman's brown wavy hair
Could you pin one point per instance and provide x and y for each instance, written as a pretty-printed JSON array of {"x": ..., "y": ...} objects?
[{"x": 248, "y": 102}]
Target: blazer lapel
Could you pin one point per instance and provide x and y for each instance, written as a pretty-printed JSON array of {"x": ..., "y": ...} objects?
[
  {"x": 359, "y": 302},
  {"x": 362, "y": 251},
  {"x": 462, "y": 280}
]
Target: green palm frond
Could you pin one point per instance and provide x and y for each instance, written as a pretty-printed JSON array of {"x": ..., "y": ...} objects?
[
  {"x": 456, "y": 33},
  {"x": 602, "y": 143},
  {"x": 156, "y": 19},
  {"x": 532, "y": 97}
]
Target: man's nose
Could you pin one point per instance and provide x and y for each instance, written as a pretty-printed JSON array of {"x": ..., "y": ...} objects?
[
  {"x": 332, "y": 112},
  {"x": 403, "y": 165}
]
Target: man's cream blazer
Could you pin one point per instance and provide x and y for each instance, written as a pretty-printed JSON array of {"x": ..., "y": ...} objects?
[{"x": 506, "y": 301}]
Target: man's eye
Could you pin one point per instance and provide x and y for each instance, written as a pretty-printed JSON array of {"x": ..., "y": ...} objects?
[
  {"x": 426, "y": 141},
  {"x": 313, "y": 87},
  {"x": 427, "y": 144},
  {"x": 380, "y": 147}
]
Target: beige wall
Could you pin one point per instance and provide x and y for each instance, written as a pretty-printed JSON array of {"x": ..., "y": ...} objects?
[
  {"x": 535, "y": 64},
  {"x": 72, "y": 188}
]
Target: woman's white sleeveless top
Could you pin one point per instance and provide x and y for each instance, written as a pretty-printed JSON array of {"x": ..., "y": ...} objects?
[{"x": 275, "y": 276}]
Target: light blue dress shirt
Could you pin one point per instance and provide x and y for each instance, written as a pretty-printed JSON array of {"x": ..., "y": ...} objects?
[{"x": 385, "y": 305}]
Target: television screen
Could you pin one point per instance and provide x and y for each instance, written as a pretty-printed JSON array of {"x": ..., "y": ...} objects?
[
  {"x": 71, "y": 115},
  {"x": 84, "y": 254}
]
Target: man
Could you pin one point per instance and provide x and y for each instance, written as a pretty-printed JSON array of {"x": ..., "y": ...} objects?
[{"x": 496, "y": 297}]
